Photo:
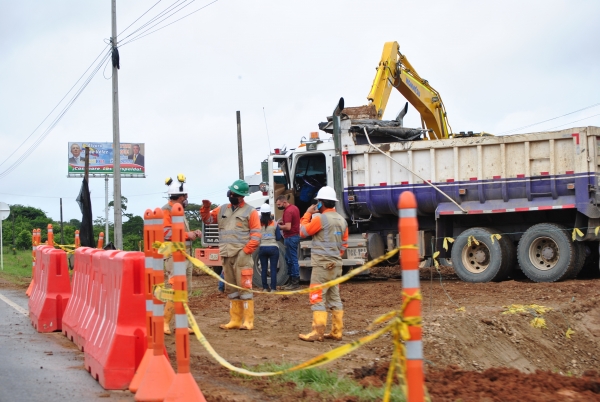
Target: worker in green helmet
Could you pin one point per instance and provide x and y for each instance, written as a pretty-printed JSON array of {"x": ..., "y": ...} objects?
[{"x": 239, "y": 236}]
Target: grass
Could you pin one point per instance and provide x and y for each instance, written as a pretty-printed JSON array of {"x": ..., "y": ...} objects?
[
  {"x": 325, "y": 382},
  {"x": 195, "y": 293},
  {"x": 17, "y": 266}
]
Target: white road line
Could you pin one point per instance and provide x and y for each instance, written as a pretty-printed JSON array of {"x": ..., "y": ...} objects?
[{"x": 14, "y": 305}]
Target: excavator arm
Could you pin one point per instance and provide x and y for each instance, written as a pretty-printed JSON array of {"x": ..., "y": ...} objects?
[{"x": 394, "y": 70}]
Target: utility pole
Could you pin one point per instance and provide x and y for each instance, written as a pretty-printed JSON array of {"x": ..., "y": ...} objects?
[
  {"x": 118, "y": 233},
  {"x": 239, "y": 138}
]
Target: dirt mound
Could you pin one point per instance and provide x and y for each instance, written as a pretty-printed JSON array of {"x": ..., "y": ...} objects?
[{"x": 497, "y": 384}]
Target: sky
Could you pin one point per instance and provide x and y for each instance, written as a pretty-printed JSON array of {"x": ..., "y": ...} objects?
[{"x": 498, "y": 65}]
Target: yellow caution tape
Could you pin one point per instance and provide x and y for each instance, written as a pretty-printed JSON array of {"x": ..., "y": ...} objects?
[
  {"x": 472, "y": 239},
  {"x": 522, "y": 308},
  {"x": 436, "y": 264},
  {"x": 164, "y": 295},
  {"x": 495, "y": 236},
  {"x": 446, "y": 240},
  {"x": 569, "y": 333},
  {"x": 576, "y": 232},
  {"x": 538, "y": 322},
  {"x": 314, "y": 362},
  {"x": 167, "y": 248},
  {"x": 461, "y": 309},
  {"x": 596, "y": 230},
  {"x": 64, "y": 247}
]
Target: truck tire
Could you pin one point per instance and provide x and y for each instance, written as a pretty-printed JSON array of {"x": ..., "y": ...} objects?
[
  {"x": 546, "y": 253},
  {"x": 511, "y": 256},
  {"x": 282, "y": 272},
  {"x": 579, "y": 260},
  {"x": 483, "y": 262}
]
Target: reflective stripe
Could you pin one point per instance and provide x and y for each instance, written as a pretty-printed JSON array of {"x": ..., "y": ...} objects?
[
  {"x": 149, "y": 305},
  {"x": 181, "y": 321},
  {"x": 234, "y": 295},
  {"x": 303, "y": 231},
  {"x": 158, "y": 310},
  {"x": 332, "y": 253},
  {"x": 410, "y": 279},
  {"x": 168, "y": 233},
  {"x": 407, "y": 213},
  {"x": 179, "y": 267},
  {"x": 158, "y": 264},
  {"x": 149, "y": 261},
  {"x": 177, "y": 219},
  {"x": 254, "y": 230},
  {"x": 414, "y": 350}
]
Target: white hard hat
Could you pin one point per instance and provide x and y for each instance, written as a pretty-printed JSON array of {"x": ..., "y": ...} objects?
[
  {"x": 177, "y": 189},
  {"x": 326, "y": 193},
  {"x": 265, "y": 209}
]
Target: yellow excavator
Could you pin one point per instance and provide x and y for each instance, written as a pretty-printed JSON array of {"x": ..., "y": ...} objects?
[{"x": 394, "y": 70}]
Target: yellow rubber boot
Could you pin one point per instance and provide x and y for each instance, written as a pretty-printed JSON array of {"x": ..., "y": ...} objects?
[
  {"x": 337, "y": 325},
  {"x": 235, "y": 313},
  {"x": 169, "y": 311},
  {"x": 318, "y": 327},
  {"x": 248, "y": 306}
]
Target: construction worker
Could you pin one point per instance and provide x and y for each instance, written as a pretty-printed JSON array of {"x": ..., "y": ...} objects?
[
  {"x": 239, "y": 236},
  {"x": 177, "y": 195},
  {"x": 329, "y": 232}
]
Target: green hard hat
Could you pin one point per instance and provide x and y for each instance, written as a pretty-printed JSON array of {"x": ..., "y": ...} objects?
[{"x": 240, "y": 187}]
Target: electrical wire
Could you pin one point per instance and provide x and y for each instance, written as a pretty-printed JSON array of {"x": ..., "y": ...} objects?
[
  {"x": 141, "y": 35},
  {"x": 554, "y": 118},
  {"x": 47, "y": 131},
  {"x": 156, "y": 17},
  {"x": 129, "y": 26},
  {"x": 566, "y": 124},
  {"x": 53, "y": 109}
]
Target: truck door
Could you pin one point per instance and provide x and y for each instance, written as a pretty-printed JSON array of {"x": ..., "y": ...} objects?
[{"x": 309, "y": 175}]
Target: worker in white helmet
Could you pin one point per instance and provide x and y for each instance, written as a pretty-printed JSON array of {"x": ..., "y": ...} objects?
[
  {"x": 177, "y": 195},
  {"x": 329, "y": 231}
]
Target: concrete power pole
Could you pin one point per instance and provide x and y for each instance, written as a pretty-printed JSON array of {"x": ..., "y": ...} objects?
[
  {"x": 118, "y": 232},
  {"x": 239, "y": 138}
]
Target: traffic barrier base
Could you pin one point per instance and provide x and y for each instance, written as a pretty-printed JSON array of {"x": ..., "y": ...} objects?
[
  {"x": 51, "y": 289},
  {"x": 116, "y": 336}
]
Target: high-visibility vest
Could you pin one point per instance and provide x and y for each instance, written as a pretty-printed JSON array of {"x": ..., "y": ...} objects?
[
  {"x": 328, "y": 241},
  {"x": 234, "y": 229},
  {"x": 268, "y": 235}
]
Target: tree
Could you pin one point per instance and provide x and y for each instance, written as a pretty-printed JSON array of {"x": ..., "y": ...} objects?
[
  {"x": 124, "y": 201},
  {"x": 76, "y": 223},
  {"x": 24, "y": 240}
]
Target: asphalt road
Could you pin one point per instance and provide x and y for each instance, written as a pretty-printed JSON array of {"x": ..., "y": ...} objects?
[{"x": 41, "y": 367}]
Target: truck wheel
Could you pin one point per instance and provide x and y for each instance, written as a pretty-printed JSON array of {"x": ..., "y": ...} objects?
[
  {"x": 579, "y": 260},
  {"x": 483, "y": 262},
  {"x": 546, "y": 253},
  {"x": 282, "y": 273}
]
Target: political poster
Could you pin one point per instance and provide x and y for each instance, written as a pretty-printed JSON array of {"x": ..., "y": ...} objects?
[{"x": 101, "y": 155}]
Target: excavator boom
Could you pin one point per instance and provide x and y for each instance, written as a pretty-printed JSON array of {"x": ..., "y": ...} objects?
[{"x": 394, "y": 70}]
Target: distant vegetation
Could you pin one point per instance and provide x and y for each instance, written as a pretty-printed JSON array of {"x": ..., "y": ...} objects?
[{"x": 17, "y": 228}]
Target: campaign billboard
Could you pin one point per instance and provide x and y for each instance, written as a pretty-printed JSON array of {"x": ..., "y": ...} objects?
[{"x": 132, "y": 158}]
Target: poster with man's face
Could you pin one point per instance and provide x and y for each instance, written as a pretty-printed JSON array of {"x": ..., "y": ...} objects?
[{"x": 101, "y": 158}]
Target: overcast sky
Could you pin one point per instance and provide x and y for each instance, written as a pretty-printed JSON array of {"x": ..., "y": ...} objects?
[{"x": 499, "y": 65}]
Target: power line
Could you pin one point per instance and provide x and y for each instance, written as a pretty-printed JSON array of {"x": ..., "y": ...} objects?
[
  {"x": 566, "y": 124},
  {"x": 129, "y": 26},
  {"x": 554, "y": 118},
  {"x": 141, "y": 35},
  {"x": 54, "y": 108},
  {"x": 47, "y": 131},
  {"x": 153, "y": 19}
]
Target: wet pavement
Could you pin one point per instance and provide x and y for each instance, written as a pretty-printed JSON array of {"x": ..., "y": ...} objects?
[{"x": 41, "y": 367}]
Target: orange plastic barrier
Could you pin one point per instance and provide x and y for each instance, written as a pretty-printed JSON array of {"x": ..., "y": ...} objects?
[
  {"x": 115, "y": 335},
  {"x": 80, "y": 310},
  {"x": 158, "y": 375},
  {"x": 100, "y": 240},
  {"x": 36, "y": 238},
  {"x": 408, "y": 227},
  {"x": 77, "y": 239},
  {"x": 50, "y": 240},
  {"x": 51, "y": 289},
  {"x": 184, "y": 387}
]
